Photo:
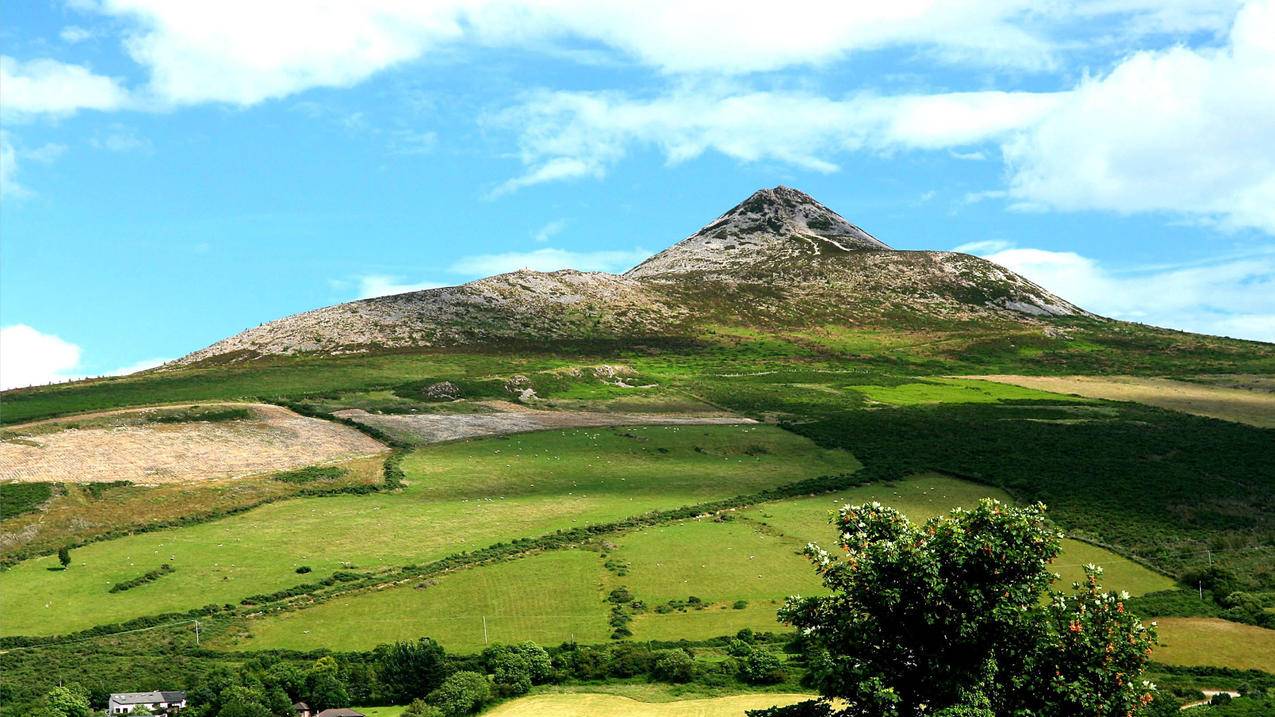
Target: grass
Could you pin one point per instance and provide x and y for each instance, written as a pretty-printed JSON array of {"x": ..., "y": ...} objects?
[
  {"x": 558, "y": 596},
  {"x": 1196, "y": 641},
  {"x": 459, "y": 496},
  {"x": 806, "y": 520},
  {"x": 84, "y": 512},
  {"x": 954, "y": 390},
  {"x": 549, "y": 598},
  {"x": 605, "y": 705},
  {"x": 1254, "y": 407},
  {"x": 19, "y": 498}
]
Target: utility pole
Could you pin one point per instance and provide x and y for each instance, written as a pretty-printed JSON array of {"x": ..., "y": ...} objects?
[
  {"x": 1201, "y": 590},
  {"x": 196, "y": 633},
  {"x": 484, "y": 629}
]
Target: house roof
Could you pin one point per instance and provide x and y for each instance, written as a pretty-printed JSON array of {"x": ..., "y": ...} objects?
[
  {"x": 300, "y": 706},
  {"x": 146, "y": 698},
  {"x": 339, "y": 712}
]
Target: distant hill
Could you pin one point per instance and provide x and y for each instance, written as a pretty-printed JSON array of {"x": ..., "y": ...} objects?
[{"x": 779, "y": 258}]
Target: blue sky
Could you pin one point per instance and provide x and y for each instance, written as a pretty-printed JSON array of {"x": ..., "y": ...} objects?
[{"x": 173, "y": 174}]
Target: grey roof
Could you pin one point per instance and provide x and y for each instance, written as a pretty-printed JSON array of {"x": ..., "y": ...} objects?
[
  {"x": 300, "y": 706},
  {"x": 146, "y": 698},
  {"x": 339, "y": 712}
]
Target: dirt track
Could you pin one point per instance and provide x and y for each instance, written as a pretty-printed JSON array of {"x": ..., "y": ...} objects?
[
  {"x": 513, "y": 418},
  {"x": 151, "y": 454}
]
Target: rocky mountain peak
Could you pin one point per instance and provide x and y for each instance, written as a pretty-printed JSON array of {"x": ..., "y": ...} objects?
[{"x": 770, "y": 226}]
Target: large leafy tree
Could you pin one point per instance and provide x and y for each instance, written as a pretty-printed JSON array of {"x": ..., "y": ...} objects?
[
  {"x": 410, "y": 670},
  {"x": 956, "y": 617}
]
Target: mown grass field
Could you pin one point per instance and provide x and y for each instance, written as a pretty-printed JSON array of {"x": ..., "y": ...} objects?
[
  {"x": 460, "y": 496},
  {"x": 955, "y": 390},
  {"x": 1254, "y": 407},
  {"x": 548, "y": 598},
  {"x": 604, "y": 705},
  {"x": 1196, "y": 641},
  {"x": 754, "y": 558}
]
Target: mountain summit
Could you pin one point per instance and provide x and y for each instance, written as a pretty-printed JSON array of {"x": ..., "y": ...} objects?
[
  {"x": 777, "y": 260},
  {"x": 773, "y": 226}
]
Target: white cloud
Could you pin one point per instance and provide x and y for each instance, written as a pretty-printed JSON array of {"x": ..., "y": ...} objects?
[
  {"x": 550, "y": 230},
  {"x": 1178, "y": 131},
  {"x": 549, "y": 259},
  {"x": 983, "y": 247},
  {"x": 9, "y": 186},
  {"x": 373, "y": 285},
  {"x": 119, "y": 138},
  {"x": 29, "y": 357},
  {"x": 244, "y": 52},
  {"x": 136, "y": 366},
  {"x": 1229, "y": 297},
  {"x": 50, "y": 87},
  {"x": 73, "y": 34},
  {"x": 566, "y": 135}
]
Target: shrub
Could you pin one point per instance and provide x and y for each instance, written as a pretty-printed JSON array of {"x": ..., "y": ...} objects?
[
  {"x": 761, "y": 667},
  {"x": 302, "y": 570},
  {"x": 146, "y": 577},
  {"x": 740, "y": 604},
  {"x": 310, "y": 474},
  {"x": 462, "y": 693},
  {"x": 673, "y": 666}
]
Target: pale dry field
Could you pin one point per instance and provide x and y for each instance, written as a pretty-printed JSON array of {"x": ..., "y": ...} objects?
[
  {"x": 1195, "y": 641},
  {"x": 1253, "y": 406},
  {"x": 514, "y": 418},
  {"x": 274, "y": 439},
  {"x": 603, "y": 705}
]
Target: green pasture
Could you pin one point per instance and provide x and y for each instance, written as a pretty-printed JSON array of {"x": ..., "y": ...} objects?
[
  {"x": 460, "y": 496},
  {"x": 548, "y": 598},
  {"x": 955, "y": 390},
  {"x": 754, "y": 558}
]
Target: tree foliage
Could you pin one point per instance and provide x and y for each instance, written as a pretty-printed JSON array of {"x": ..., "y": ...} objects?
[
  {"x": 947, "y": 618},
  {"x": 408, "y": 670}
]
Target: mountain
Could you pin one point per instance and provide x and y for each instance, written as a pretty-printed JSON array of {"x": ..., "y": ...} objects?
[{"x": 777, "y": 258}]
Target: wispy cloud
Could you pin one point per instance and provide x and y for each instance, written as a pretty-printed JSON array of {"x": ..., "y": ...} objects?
[
  {"x": 50, "y": 87},
  {"x": 373, "y": 285},
  {"x": 1234, "y": 296},
  {"x": 549, "y": 259},
  {"x": 549, "y": 231}
]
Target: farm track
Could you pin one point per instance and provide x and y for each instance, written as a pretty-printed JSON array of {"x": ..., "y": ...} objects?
[{"x": 512, "y": 418}]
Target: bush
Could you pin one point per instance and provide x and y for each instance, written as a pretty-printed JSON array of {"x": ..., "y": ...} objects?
[
  {"x": 673, "y": 666},
  {"x": 761, "y": 667},
  {"x": 462, "y": 693},
  {"x": 302, "y": 570},
  {"x": 310, "y": 474},
  {"x": 147, "y": 577},
  {"x": 421, "y": 708}
]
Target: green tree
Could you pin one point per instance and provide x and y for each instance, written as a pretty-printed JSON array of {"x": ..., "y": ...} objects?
[
  {"x": 761, "y": 667},
  {"x": 241, "y": 701},
  {"x": 539, "y": 664},
  {"x": 510, "y": 672},
  {"x": 67, "y": 701},
  {"x": 948, "y": 619},
  {"x": 421, "y": 708},
  {"x": 462, "y": 693},
  {"x": 64, "y": 556},
  {"x": 324, "y": 685},
  {"x": 673, "y": 666},
  {"x": 408, "y": 670}
]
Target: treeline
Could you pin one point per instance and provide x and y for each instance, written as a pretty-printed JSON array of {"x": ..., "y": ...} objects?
[
  {"x": 146, "y": 577},
  {"x": 435, "y": 684}
]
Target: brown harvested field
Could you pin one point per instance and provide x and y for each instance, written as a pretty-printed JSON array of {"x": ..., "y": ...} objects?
[
  {"x": 1253, "y": 406},
  {"x": 514, "y": 418},
  {"x": 1195, "y": 641},
  {"x": 273, "y": 439},
  {"x": 80, "y": 513}
]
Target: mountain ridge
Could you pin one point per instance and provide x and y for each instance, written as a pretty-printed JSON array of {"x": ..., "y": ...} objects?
[{"x": 777, "y": 258}]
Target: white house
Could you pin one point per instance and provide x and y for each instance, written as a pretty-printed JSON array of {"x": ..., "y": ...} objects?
[{"x": 123, "y": 703}]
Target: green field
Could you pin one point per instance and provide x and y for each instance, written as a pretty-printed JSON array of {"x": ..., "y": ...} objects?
[
  {"x": 955, "y": 390},
  {"x": 604, "y": 705},
  {"x": 1195, "y": 641},
  {"x": 555, "y": 597},
  {"x": 549, "y": 598},
  {"x": 460, "y": 496}
]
